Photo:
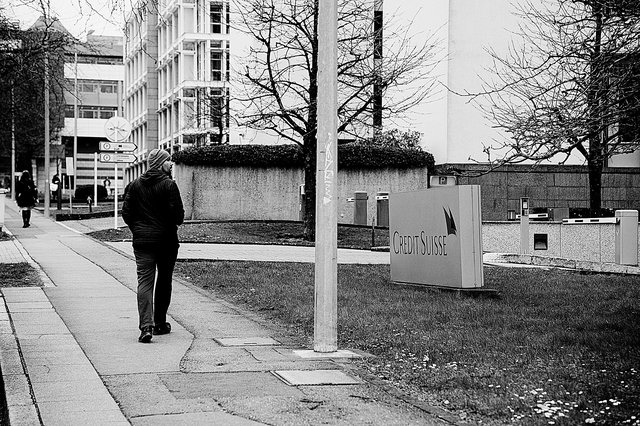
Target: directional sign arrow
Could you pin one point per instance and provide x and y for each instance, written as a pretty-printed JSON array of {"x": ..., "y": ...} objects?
[
  {"x": 117, "y": 146},
  {"x": 116, "y": 157}
]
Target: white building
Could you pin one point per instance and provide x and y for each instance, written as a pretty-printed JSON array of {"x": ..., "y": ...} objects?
[
  {"x": 98, "y": 73},
  {"x": 177, "y": 74},
  {"x": 455, "y": 129},
  {"x": 179, "y": 61}
]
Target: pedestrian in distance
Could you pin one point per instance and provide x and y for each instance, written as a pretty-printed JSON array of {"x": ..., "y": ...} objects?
[
  {"x": 153, "y": 210},
  {"x": 107, "y": 185},
  {"x": 26, "y": 195},
  {"x": 55, "y": 182}
]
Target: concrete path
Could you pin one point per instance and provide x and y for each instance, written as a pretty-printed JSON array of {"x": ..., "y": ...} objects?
[{"x": 69, "y": 352}]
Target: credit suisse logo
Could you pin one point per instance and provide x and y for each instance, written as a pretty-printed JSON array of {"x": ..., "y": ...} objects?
[{"x": 423, "y": 243}]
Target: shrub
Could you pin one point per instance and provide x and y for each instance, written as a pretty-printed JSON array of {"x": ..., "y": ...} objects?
[
  {"x": 350, "y": 156},
  {"x": 84, "y": 191}
]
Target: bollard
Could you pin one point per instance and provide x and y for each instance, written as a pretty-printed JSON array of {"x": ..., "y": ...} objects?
[
  {"x": 302, "y": 198},
  {"x": 382, "y": 208},
  {"x": 524, "y": 225},
  {"x": 626, "y": 239},
  {"x": 360, "y": 208},
  {"x": 2, "y": 197}
]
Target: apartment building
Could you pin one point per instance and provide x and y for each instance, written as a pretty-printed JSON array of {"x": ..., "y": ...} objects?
[
  {"x": 177, "y": 76},
  {"x": 94, "y": 74}
]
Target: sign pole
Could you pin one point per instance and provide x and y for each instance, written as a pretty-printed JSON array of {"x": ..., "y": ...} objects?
[
  {"x": 115, "y": 196},
  {"x": 95, "y": 179},
  {"x": 326, "y": 253}
]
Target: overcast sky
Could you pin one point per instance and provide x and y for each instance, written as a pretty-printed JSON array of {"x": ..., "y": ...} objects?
[
  {"x": 101, "y": 16},
  {"x": 78, "y": 16}
]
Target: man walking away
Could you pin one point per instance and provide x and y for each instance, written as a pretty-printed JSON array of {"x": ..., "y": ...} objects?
[{"x": 153, "y": 210}]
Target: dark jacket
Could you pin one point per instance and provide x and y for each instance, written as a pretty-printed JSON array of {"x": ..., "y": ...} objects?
[
  {"x": 26, "y": 193},
  {"x": 153, "y": 210}
]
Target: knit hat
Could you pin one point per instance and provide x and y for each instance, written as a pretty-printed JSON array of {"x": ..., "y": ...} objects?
[{"x": 156, "y": 158}]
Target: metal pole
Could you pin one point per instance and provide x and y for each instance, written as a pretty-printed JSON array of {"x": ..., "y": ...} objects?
[
  {"x": 115, "y": 186},
  {"x": 95, "y": 179},
  {"x": 13, "y": 144},
  {"x": 75, "y": 125},
  {"x": 46, "y": 132},
  {"x": 115, "y": 196},
  {"x": 326, "y": 253}
]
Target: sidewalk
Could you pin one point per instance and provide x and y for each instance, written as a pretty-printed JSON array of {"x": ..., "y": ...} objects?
[{"x": 69, "y": 352}]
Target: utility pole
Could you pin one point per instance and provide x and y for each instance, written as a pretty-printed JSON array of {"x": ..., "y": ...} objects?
[{"x": 326, "y": 253}]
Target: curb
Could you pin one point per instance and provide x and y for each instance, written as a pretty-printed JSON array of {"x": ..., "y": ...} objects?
[{"x": 557, "y": 262}]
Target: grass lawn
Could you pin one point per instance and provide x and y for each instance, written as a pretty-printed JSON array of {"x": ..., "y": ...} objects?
[
  {"x": 559, "y": 346},
  {"x": 19, "y": 275}
]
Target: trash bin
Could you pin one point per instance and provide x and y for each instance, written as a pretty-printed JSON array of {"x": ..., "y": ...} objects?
[
  {"x": 382, "y": 208},
  {"x": 360, "y": 208},
  {"x": 626, "y": 239},
  {"x": 302, "y": 210}
]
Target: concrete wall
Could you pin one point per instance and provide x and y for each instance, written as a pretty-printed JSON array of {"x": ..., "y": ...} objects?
[
  {"x": 549, "y": 186},
  {"x": 591, "y": 242},
  {"x": 246, "y": 193}
]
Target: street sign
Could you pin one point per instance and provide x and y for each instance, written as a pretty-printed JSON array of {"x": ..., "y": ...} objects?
[
  {"x": 113, "y": 146},
  {"x": 117, "y": 129},
  {"x": 116, "y": 157}
]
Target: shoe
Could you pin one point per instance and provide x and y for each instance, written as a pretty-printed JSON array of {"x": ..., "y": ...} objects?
[
  {"x": 146, "y": 335},
  {"x": 162, "y": 329}
]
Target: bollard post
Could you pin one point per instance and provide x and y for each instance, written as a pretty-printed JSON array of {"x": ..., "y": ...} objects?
[
  {"x": 626, "y": 238},
  {"x": 524, "y": 225},
  {"x": 382, "y": 208},
  {"x": 360, "y": 208},
  {"x": 2, "y": 197}
]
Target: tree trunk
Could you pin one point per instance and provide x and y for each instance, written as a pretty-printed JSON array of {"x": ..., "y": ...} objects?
[
  {"x": 595, "y": 168},
  {"x": 595, "y": 98},
  {"x": 310, "y": 139},
  {"x": 310, "y": 155}
]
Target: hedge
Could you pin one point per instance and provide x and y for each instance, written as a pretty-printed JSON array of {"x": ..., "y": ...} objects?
[
  {"x": 350, "y": 156},
  {"x": 84, "y": 191}
]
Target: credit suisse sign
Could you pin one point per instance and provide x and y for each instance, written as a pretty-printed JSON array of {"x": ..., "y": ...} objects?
[{"x": 435, "y": 237}]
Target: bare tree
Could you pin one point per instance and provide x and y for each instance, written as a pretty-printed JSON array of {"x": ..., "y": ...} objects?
[
  {"x": 569, "y": 85},
  {"x": 280, "y": 74},
  {"x": 22, "y": 85}
]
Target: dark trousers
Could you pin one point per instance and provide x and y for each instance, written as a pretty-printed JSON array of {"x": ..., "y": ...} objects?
[
  {"x": 26, "y": 217},
  {"x": 153, "y": 305}
]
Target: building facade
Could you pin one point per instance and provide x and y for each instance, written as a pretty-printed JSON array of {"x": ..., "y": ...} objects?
[
  {"x": 177, "y": 66},
  {"x": 94, "y": 74}
]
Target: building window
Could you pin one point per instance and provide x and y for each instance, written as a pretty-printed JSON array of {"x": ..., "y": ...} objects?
[
  {"x": 228, "y": 20},
  {"x": 91, "y": 111},
  {"x": 69, "y": 111},
  {"x": 216, "y": 65},
  {"x": 217, "y": 106},
  {"x": 108, "y": 112},
  {"x": 88, "y": 87},
  {"x": 216, "y": 18},
  {"x": 108, "y": 88}
]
